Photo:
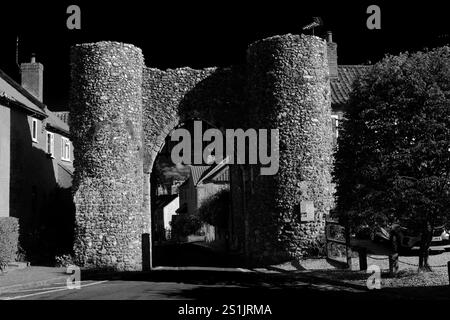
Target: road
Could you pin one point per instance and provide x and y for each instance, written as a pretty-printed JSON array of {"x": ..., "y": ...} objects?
[
  {"x": 203, "y": 274},
  {"x": 215, "y": 278},
  {"x": 192, "y": 254},
  {"x": 186, "y": 285}
]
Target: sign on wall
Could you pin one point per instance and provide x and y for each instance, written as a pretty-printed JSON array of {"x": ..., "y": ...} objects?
[{"x": 307, "y": 210}]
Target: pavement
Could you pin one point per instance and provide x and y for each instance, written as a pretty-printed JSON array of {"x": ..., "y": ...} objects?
[{"x": 30, "y": 277}]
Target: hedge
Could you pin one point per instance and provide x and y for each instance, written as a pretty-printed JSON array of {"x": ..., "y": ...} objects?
[{"x": 9, "y": 240}]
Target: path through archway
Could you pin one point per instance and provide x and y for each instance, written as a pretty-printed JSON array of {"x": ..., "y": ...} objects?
[{"x": 190, "y": 207}]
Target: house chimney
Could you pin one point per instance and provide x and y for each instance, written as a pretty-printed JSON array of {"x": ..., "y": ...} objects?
[
  {"x": 332, "y": 56},
  {"x": 32, "y": 77}
]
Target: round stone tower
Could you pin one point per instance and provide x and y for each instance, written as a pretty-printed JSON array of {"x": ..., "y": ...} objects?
[
  {"x": 106, "y": 127},
  {"x": 288, "y": 89}
]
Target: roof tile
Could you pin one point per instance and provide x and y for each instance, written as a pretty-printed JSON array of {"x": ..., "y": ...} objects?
[{"x": 342, "y": 86}]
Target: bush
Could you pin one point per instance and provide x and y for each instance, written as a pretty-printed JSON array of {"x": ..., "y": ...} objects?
[
  {"x": 186, "y": 225},
  {"x": 316, "y": 248},
  {"x": 215, "y": 209},
  {"x": 64, "y": 260},
  {"x": 9, "y": 240}
]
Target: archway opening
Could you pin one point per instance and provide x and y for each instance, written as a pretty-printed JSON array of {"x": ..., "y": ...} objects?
[{"x": 191, "y": 203}]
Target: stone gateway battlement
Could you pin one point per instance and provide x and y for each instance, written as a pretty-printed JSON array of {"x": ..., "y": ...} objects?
[{"x": 122, "y": 112}]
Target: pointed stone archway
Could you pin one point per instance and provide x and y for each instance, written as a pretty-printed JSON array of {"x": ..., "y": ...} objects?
[{"x": 122, "y": 111}]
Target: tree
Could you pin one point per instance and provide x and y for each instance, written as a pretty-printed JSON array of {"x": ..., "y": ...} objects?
[
  {"x": 393, "y": 159},
  {"x": 215, "y": 209},
  {"x": 186, "y": 224}
]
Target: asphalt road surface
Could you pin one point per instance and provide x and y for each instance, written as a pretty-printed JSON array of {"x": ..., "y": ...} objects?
[
  {"x": 191, "y": 272},
  {"x": 192, "y": 285},
  {"x": 215, "y": 278}
]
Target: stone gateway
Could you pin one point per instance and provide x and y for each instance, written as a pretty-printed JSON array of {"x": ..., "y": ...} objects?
[{"x": 122, "y": 112}]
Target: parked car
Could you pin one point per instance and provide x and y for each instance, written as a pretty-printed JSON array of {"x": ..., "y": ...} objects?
[{"x": 402, "y": 237}]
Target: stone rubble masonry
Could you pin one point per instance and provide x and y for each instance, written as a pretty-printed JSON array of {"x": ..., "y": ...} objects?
[
  {"x": 122, "y": 112},
  {"x": 106, "y": 117},
  {"x": 288, "y": 88},
  {"x": 173, "y": 96}
]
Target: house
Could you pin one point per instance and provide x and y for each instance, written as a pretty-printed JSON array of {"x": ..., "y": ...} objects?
[
  {"x": 168, "y": 188},
  {"x": 341, "y": 81},
  {"x": 166, "y": 206},
  {"x": 36, "y": 155},
  {"x": 203, "y": 182}
]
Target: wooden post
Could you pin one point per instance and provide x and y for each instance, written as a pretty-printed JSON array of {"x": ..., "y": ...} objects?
[
  {"x": 393, "y": 263},
  {"x": 146, "y": 252},
  {"x": 348, "y": 249},
  {"x": 362, "y": 254},
  {"x": 147, "y": 255}
]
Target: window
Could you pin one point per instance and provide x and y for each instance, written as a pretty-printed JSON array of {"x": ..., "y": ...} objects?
[
  {"x": 50, "y": 144},
  {"x": 335, "y": 127},
  {"x": 65, "y": 149},
  {"x": 34, "y": 130},
  {"x": 335, "y": 119}
]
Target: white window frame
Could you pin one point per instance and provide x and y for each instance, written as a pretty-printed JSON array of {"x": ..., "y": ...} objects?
[
  {"x": 64, "y": 142},
  {"x": 34, "y": 130},
  {"x": 335, "y": 117},
  {"x": 50, "y": 152}
]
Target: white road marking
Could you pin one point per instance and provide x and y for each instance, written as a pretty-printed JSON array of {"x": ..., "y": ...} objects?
[
  {"x": 31, "y": 290},
  {"x": 58, "y": 284},
  {"x": 53, "y": 290}
]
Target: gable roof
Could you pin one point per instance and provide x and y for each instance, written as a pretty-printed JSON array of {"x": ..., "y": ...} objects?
[
  {"x": 217, "y": 173},
  {"x": 197, "y": 173},
  {"x": 164, "y": 200},
  {"x": 222, "y": 175},
  {"x": 214, "y": 172},
  {"x": 8, "y": 101},
  {"x": 27, "y": 102},
  {"x": 55, "y": 123},
  {"x": 342, "y": 86}
]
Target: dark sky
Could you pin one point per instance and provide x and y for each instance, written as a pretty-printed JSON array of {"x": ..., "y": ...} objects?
[{"x": 207, "y": 33}]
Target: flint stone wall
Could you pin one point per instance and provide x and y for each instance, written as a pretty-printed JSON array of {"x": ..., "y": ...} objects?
[
  {"x": 122, "y": 112},
  {"x": 173, "y": 96},
  {"x": 106, "y": 122},
  {"x": 288, "y": 88}
]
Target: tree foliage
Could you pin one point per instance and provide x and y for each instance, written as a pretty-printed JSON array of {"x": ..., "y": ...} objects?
[
  {"x": 215, "y": 209},
  {"x": 186, "y": 224},
  {"x": 393, "y": 159},
  {"x": 9, "y": 240}
]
